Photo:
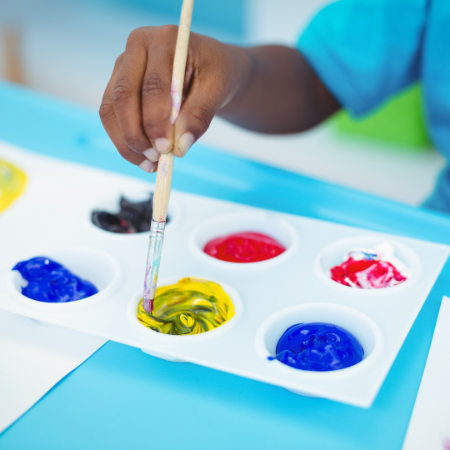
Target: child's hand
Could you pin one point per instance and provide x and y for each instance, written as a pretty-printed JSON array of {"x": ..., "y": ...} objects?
[{"x": 136, "y": 105}]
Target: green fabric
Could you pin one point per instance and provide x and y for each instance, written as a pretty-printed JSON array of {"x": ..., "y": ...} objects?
[{"x": 398, "y": 121}]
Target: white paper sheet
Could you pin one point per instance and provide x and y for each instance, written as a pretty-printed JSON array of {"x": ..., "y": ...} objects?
[
  {"x": 33, "y": 358},
  {"x": 429, "y": 427}
]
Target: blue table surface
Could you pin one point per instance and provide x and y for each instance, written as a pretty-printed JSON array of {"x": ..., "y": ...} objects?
[{"x": 122, "y": 398}]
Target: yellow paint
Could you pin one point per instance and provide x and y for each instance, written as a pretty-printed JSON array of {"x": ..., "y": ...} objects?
[
  {"x": 12, "y": 184},
  {"x": 191, "y": 306}
]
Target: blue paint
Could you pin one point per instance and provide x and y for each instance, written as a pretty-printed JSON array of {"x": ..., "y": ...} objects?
[
  {"x": 370, "y": 256},
  {"x": 49, "y": 281},
  {"x": 318, "y": 346}
]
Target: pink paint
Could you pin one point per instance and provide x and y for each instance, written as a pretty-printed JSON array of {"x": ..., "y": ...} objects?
[
  {"x": 366, "y": 273},
  {"x": 176, "y": 101}
]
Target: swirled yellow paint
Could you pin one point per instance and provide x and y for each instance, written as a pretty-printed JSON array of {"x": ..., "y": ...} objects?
[
  {"x": 191, "y": 306},
  {"x": 12, "y": 183}
]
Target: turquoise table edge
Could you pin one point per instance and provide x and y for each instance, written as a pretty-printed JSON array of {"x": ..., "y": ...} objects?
[{"x": 122, "y": 398}]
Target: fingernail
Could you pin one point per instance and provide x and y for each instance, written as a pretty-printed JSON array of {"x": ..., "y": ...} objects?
[
  {"x": 151, "y": 154},
  {"x": 147, "y": 166},
  {"x": 185, "y": 143},
  {"x": 162, "y": 145}
]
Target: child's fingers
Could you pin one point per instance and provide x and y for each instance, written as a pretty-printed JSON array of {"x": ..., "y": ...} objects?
[
  {"x": 155, "y": 91},
  {"x": 111, "y": 126},
  {"x": 198, "y": 109},
  {"x": 126, "y": 95},
  {"x": 137, "y": 102}
]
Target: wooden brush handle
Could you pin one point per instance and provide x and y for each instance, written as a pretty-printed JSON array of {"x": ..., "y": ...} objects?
[
  {"x": 165, "y": 164},
  {"x": 162, "y": 187}
]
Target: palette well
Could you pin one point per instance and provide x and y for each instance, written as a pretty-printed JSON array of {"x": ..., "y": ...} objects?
[{"x": 268, "y": 296}]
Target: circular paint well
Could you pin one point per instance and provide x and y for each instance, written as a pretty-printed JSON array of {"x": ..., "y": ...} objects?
[
  {"x": 366, "y": 272},
  {"x": 92, "y": 265},
  {"x": 360, "y": 326},
  {"x": 244, "y": 240},
  {"x": 12, "y": 184},
  {"x": 351, "y": 264},
  {"x": 46, "y": 280},
  {"x": 188, "y": 307},
  {"x": 131, "y": 216},
  {"x": 318, "y": 346},
  {"x": 244, "y": 247},
  {"x": 127, "y": 214}
]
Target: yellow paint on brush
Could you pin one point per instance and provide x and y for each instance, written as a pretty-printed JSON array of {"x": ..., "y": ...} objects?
[
  {"x": 191, "y": 306},
  {"x": 12, "y": 184}
]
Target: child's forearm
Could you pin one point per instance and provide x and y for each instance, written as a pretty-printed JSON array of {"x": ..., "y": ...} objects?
[{"x": 282, "y": 94}]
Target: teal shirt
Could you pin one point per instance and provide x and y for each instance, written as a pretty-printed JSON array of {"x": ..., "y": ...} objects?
[{"x": 367, "y": 50}]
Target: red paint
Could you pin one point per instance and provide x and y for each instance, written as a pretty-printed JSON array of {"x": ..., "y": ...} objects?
[
  {"x": 366, "y": 273},
  {"x": 244, "y": 247}
]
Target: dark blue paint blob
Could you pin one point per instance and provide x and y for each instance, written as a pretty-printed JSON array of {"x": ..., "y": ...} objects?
[
  {"x": 318, "y": 346},
  {"x": 133, "y": 217},
  {"x": 49, "y": 281}
]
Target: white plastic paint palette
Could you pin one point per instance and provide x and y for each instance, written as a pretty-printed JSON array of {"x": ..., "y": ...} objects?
[{"x": 52, "y": 218}]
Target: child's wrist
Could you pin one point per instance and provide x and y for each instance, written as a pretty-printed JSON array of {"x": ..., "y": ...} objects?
[{"x": 242, "y": 62}]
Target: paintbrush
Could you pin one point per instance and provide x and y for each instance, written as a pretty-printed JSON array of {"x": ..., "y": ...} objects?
[{"x": 164, "y": 175}]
